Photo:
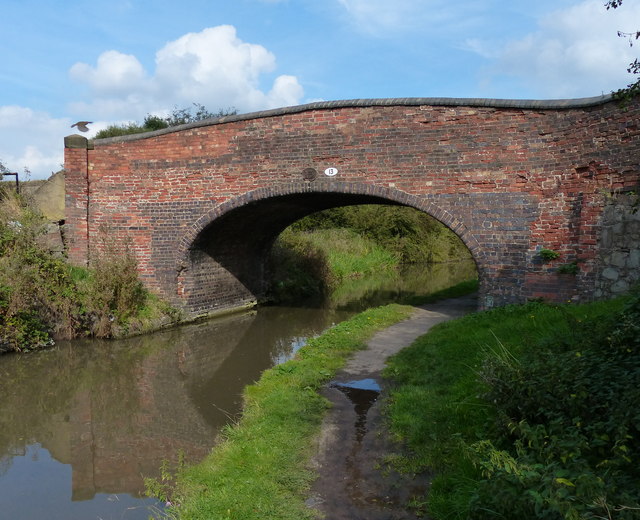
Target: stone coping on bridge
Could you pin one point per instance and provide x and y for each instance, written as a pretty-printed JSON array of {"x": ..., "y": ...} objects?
[{"x": 530, "y": 104}]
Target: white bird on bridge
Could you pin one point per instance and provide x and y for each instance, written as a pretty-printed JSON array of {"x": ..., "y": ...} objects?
[{"x": 82, "y": 125}]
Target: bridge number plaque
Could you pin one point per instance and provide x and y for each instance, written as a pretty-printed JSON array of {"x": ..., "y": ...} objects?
[{"x": 331, "y": 172}]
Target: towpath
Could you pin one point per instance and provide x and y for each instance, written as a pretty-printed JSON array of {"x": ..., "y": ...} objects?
[{"x": 353, "y": 483}]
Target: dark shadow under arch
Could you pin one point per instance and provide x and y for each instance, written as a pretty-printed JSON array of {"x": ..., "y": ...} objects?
[{"x": 221, "y": 259}]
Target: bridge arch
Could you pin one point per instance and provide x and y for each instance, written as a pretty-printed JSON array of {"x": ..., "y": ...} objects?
[
  {"x": 510, "y": 177},
  {"x": 222, "y": 256}
]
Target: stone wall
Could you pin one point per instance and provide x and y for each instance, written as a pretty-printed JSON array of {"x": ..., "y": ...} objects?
[
  {"x": 619, "y": 246},
  {"x": 49, "y": 197}
]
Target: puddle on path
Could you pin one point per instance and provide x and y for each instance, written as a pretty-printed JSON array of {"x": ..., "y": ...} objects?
[
  {"x": 362, "y": 393},
  {"x": 354, "y": 485}
]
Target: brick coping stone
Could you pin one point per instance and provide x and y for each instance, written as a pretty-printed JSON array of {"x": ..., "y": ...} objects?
[{"x": 531, "y": 104}]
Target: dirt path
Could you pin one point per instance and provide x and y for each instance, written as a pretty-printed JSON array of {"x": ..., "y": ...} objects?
[{"x": 351, "y": 483}]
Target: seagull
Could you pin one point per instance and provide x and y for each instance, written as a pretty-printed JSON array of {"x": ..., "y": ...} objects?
[{"x": 82, "y": 125}]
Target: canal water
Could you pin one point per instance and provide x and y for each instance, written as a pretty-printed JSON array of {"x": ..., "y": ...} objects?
[{"x": 84, "y": 423}]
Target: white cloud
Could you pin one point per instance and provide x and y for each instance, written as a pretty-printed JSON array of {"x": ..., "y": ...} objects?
[
  {"x": 575, "y": 52},
  {"x": 115, "y": 73},
  {"x": 392, "y": 17},
  {"x": 33, "y": 140},
  {"x": 284, "y": 89},
  {"x": 213, "y": 67},
  {"x": 378, "y": 16}
]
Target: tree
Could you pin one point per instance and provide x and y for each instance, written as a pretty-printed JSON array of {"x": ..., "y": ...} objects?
[
  {"x": 183, "y": 116},
  {"x": 633, "y": 89},
  {"x": 179, "y": 116}
]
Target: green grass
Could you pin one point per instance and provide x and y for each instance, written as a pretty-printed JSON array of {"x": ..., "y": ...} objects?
[
  {"x": 318, "y": 253},
  {"x": 260, "y": 469},
  {"x": 410, "y": 235},
  {"x": 309, "y": 263},
  {"x": 349, "y": 254},
  {"x": 437, "y": 408}
]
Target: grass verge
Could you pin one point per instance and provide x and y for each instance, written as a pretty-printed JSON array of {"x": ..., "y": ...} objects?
[
  {"x": 524, "y": 412},
  {"x": 310, "y": 262},
  {"x": 260, "y": 468}
]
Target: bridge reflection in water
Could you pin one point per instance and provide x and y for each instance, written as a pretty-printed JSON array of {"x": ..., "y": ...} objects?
[{"x": 82, "y": 424}]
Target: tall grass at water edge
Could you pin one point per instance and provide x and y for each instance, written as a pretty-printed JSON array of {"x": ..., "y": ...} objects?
[
  {"x": 310, "y": 263},
  {"x": 350, "y": 255},
  {"x": 43, "y": 298},
  {"x": 322, "y": 250}
]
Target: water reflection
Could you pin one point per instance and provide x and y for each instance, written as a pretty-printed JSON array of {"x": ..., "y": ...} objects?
[
  {"x": 400, "y": 286},
  {"x": 85, "y": 422}
]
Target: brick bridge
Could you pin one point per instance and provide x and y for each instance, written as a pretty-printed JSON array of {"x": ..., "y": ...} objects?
[{"x": 201, "y": 204}]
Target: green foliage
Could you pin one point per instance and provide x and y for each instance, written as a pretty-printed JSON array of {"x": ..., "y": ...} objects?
[
  {"x": 179, "y": 116},
  {"x": 124, "y": 129},
  {"x": 570, "y": 268},
  {"x": 309, "y": 263},
  {"x": 42, "y": 297},
  {"x": 526, "y": 412},
  {"x": 350, "y": 255},
  {"x": 34, "y": 285},
  {"x": 410, "y": 235},
  {"x": 569, "y": 409},
  {"x": 114, "y": 293},
  {"x": 326, "y": 248},
  {"x": 299, "y": 268},
  {"x": 548, "y": 254},
  {"x": 152, "y": 123}
]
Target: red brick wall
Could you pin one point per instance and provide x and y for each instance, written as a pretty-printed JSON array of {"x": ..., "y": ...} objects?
[
  {"x": 509, "y": 177},
  {"x": 76, "y": 198}
]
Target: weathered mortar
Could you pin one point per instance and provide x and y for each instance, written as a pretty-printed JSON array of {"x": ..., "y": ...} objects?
[{"x": 200, "y": 205}]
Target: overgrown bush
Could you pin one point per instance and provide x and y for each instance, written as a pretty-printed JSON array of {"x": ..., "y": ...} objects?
[
  {"x": 319, "y": 251},
  {"x": 299, "y": 269},
  {"x": 43, "y": 298},
  {"x": 568, "y": 440},
  {"x": 525, "y": 411},
  {"x": 35, "y": 287},
  {"x": 309, "y": 263},
  {"x": 114, "y": 293},
  {"x": 179, "y": 116}
]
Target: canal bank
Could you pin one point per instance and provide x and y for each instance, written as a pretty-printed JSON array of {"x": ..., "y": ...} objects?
[
  {"x": 456, "y": 390},
  {"x": 353, "y": 479},
  {"x": 132, "y": 404},
  {"x": 261, "y": 467}
]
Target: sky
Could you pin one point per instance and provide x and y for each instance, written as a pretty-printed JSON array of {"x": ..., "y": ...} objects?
[{"x": 116, "y": 61}]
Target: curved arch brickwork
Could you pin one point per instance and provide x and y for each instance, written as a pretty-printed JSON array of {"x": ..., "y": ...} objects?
[
  {"x": 378, "y": 192},
  {"x": 510, "y": 177}
]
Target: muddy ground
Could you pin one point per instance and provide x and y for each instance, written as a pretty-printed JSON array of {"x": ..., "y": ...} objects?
[{"x": 354, "y": 483}]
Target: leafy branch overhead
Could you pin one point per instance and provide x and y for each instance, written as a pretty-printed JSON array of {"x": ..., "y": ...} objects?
[{"x": 633, "y": 88}]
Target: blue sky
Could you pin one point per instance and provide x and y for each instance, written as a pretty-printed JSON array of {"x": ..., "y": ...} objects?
[{"x": 116, "y": 61}]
